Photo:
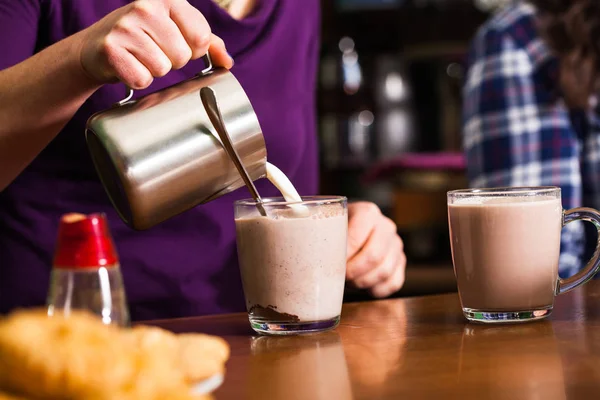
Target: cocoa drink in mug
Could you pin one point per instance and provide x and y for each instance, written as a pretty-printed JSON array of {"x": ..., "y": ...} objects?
[{"x": 505, "y": 249}]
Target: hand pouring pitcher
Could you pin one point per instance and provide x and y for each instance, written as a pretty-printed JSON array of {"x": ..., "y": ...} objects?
[{"x": 160, "y": 156}]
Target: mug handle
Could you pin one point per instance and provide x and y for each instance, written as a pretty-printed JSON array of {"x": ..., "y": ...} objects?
[
  {"x": 207, "y": 70},
  {"x": 592, "y": 267}
]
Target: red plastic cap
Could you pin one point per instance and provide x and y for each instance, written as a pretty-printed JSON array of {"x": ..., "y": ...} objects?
[{"x": 84, "y": 241}]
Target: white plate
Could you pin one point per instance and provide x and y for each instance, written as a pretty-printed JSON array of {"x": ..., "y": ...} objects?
[{"x": 208, "y": 385}]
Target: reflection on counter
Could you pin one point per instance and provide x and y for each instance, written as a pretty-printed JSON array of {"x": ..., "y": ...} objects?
[
  {"x": 539, "y": 360},
  {"x": 301, "y": 367},
  {"x": 374, "y": 354}
]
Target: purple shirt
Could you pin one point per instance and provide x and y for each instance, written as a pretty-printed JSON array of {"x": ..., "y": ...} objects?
[{"x": 187, "y": 265}]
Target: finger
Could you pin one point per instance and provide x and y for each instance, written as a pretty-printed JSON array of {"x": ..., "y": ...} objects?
[
  {"x": 193, "y": 26},
  {"x": 145, "y": 49},
  {"x": 394, "y": 283},
  {"x": 381, "y": 272},
  {"x": 374, "y": 249},
  {"x": 361, "y": 224},
  {"x": 168, "y": 37},
  {"x": 128, "y": 69},
  {"x": 219, "y": 54}
]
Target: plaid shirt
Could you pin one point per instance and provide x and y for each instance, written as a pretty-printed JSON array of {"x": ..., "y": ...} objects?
[{"x": 517, "y": 129}]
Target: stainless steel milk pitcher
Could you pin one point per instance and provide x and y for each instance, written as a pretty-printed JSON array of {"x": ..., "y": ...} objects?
[{"x": 160, "y": 156}]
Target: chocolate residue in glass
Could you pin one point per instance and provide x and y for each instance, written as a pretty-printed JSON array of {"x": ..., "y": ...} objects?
[{"x": 270, "y": 313}]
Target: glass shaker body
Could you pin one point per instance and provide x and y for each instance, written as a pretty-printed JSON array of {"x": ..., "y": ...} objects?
[{"x": 86, "y": 274}]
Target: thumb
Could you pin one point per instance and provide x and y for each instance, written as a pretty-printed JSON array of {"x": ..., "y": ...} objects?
[
  {"x": 218, "y": 52},
  {"x": 360, "y": 227}
]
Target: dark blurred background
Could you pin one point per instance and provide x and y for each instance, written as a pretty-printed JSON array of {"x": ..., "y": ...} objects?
[{"x": 389, "y": 99}]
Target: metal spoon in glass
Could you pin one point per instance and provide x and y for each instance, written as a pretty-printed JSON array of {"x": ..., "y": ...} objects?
[{"x": 207, "y": 95}]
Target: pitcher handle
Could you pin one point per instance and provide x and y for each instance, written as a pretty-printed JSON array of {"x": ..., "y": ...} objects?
[
  {"x": 207, "y": 70},
  {"x": 209, "y": 65},
  {"x": 592, "y": 267}
]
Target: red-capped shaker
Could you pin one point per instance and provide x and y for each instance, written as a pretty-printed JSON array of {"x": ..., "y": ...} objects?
[{"x": 86, "y": 273}]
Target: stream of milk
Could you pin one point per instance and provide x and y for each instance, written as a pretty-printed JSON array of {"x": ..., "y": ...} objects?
[{"x": 287, "y": 189}]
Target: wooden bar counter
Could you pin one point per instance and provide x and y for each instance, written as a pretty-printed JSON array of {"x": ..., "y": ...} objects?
[{"x": 416, "y": 348}]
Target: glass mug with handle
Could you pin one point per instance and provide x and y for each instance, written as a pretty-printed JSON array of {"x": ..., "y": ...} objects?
[{"x": 505, "y": 250}]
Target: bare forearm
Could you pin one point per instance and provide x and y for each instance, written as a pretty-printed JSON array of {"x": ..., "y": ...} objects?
[{"x": 37, "y": 98}]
